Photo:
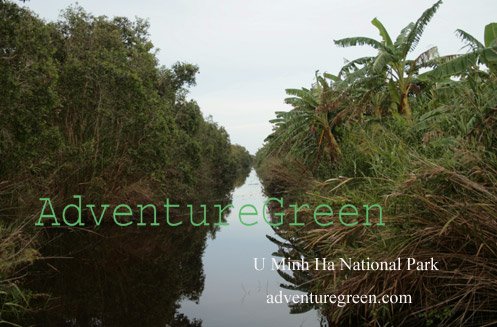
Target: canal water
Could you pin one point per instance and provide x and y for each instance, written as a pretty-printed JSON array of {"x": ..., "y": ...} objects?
[
  {"x": 235, "y": 292},
  {"x": 163, "y": 276}
]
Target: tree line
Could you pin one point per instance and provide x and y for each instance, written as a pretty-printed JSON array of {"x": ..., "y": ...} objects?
[{"x": 86, "y": 108}]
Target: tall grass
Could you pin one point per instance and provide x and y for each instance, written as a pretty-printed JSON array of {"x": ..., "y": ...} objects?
[{"x": 436, "y": 179}]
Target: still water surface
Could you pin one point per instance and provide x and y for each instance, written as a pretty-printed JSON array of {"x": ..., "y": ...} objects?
[
  {"x": 181, "y": 276},
  {"x": 235, "y": 293}
]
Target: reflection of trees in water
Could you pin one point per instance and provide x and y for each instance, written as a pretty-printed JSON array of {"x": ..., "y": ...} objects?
[
  {"x": 241, "y": 178},
  {"x": 180, "y": 320},
  {"x": 297, "y": 280},
  {"x": 116, "y": 276}
]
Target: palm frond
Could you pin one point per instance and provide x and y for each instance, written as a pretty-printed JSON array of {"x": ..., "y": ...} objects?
[
  {"x": 402, "y": 37},
  {"x": 383, "y": 32},
  {"x": 382, "y": 61},
  {"x": 331, "y": 77},
  {"x": 454, "y": 67},
  {"x": 359, "y": 40},
  {"x": 356, "y": 75},
  {"x": 352, "y": 65},
  {"x": 426, "y": 56},
  {"x": 305, "y": 95},
  {"x": 298, "y": 102},
  {"x": 430, "y": 63},
  {"x": 418, "y": 29},
  {"x": 469, "y": 39},
  {"x": 491, "y": 35}
]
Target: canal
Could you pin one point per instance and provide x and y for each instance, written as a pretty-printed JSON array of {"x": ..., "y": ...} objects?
[
  {"x": 235, "y": 292},
  {"x": 163, "y": 276}
]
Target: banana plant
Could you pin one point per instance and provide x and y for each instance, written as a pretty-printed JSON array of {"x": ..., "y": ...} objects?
[
  {"x": 481, "y": 53},
  {"x": 391, "y": 59},
  {"x": 308, "y": 130}
]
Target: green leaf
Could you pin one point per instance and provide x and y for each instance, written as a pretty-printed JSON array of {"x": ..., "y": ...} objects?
[
  {"x": 359, "y": 40},
  {"x": 305, "y": 95},
  {"x": 455, "y": 67},
  {"x": 331, "y": 77},
  {"x": 402, "y": 37},
  {"x": 418, "y": 29},
  {"x": 382, "y": 61},
  {"x": 470, "y": 39},
  {"x": 490, "y": 55},
  {"x": 383, "y": 32},
  {"x": 352, "y": 65},
  {"x": 394, "y": 93},
  {"x": 490, "y": 34}
]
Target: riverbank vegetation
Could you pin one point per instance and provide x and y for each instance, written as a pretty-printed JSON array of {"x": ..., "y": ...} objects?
[
  {"x": 416, "y": 133},
  {"x": 85, "y": 108}
]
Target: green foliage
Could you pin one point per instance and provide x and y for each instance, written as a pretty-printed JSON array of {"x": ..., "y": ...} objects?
[
  {"x": 309, "y": 131},
  {"x": 16, "y": 252},
  {"x": 480, "y": 54},
  {"x": 243, "y": 160},
  {"x": 433, "y": 171},
  {"x": 391, "y": 63},
  {"x": 86, "y": 109},
  {"x": 435, "y": 179},
  {"x": 86, "y": 105},
  {"x": 28, "y": 77}
]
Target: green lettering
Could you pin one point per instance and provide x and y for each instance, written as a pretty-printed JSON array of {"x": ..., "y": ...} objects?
[
  {"x": 279, "y": 214},
  {"x": 78, "y": 209},
  {"x": 43, "y": 215},
  {"x": 91, "y": 206},
  {"x": 129, "y": 213},
  {"x": 204, "y": 221},
  {"x": 241, "y": 213},
  {"x": 316, "y": 213},
  {"x": 141, "y": 223},
  {"x": 295, "y": 223},
  {"x": 367, "y": 223},
  {"x": 348, "y": 214},
  {"x": 167, "y": 206},
  {"x": 221, "y": 223}
]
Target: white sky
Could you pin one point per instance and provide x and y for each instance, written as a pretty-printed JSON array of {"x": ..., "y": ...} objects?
[{"x": 249, "y": 52}]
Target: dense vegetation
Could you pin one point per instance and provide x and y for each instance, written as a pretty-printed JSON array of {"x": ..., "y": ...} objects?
[
  {"x": 417, "y": 136},
  {"x": 86, "y": 109}
]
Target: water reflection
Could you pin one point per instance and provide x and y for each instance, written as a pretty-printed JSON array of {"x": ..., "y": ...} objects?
[
  {"x": 120, "y": 277},
  {"x": 115, "y": 276},
  {"x": 162, "y": 276},
  {"x": 235, "y": 293}
]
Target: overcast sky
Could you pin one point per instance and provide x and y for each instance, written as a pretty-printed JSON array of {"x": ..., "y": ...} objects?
[{"x": 249, "y": 52}]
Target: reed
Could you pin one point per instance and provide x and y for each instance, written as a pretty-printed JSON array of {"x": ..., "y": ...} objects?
[{"x": 436, "y": 179}]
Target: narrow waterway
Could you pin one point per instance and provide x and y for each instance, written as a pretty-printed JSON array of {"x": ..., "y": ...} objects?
[
  {"x": 164, "y": 276},
  {"x": 235, "y": 293}
]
